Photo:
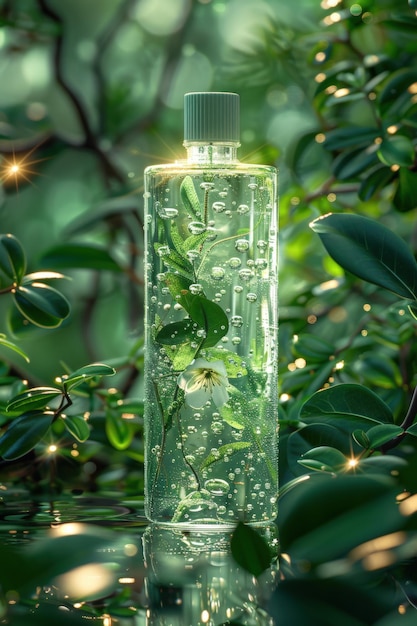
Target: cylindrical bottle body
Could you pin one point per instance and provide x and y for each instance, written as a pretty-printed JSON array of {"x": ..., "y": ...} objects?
[{"x": 211, "y": 428}]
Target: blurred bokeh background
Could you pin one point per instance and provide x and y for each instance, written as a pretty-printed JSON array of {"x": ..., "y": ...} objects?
[{"x": 91, "y": 93}]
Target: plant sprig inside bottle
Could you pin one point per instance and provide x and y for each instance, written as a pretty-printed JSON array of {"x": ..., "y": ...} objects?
[{"x": 203, "y": 372}]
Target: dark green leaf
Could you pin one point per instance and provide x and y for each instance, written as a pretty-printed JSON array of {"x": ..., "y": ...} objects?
[
  {"x": 43, "y": 275},
  {"x": 351, "y": 163},
  {"x": 12, "y": 258},
  {"x": 374, "y": 181},
  {"x": 32, "y": 399},
  {"x": 383, "y": 465},
  {"x": 361, "y": 438},
  {"x": 250, "y": 550},
  {"x": 24, "y": 433},
  {"x": 87, "y": 373},
  {"x": 369, "y": 250},
  {"x": 313, "y": 348},
  {"x": 175, "y": 333},
  {"x": 118, "y": 430},
  {"x": 211, "y": 318},
  {"x": 350, "y": 136},
  {"x": 80, "y": 256},
  {"x": 405, "y": 198},
  {"x": 324, "y": 459},
  {"x": 396, "y": 150},
  {"x": 312, "y": 436},
  {"x": 402, "y": 23},
  {"x": 346, "y": 404},
  {"x": 77, "y": 426},
  {"x": 11, "y": 346},
  {"x": 326, "y": 517},
  {"x": 395, "y": 90},
  {"x": 42, "y": 305},
  {"x": 378, "y": 435}
]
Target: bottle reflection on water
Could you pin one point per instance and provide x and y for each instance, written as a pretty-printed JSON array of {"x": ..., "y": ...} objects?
[{"x": 192, "y": 579}]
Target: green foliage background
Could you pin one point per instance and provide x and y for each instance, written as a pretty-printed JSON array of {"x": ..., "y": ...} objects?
[{"x": 91, "y": 94}]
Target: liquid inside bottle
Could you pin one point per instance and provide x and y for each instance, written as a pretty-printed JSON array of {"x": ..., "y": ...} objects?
[{"x": 211, "y": 339}]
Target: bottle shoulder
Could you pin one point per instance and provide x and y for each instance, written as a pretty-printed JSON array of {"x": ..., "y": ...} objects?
[{"x": 235, "y": 168}]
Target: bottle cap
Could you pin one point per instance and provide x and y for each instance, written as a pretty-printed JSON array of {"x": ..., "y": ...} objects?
[{"x": 211, "y": 116}]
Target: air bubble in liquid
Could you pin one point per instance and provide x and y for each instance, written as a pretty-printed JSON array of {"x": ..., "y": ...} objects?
[
  {"x": 193, "y": 255},
  {"x": 196, "y": 228},
  {"x": 163, "y": 250},
  {"x": 196, "y": 288},
  {"x": 242, "y": 209},
  {"x": 219, "y": 207},
  {"x": 251, "y": 297},
  {"x": 217, "y": 273},
  {"x": 242, "y": 245},
  {"x": 245, "y": 274},
  {"x": 235, "y": 262},
  {"x": 217, "y": 486},
  {"x": 237, "y": 321}
]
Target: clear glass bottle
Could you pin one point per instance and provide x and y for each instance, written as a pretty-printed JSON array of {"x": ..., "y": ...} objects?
[{"x": 211, "y": 427}]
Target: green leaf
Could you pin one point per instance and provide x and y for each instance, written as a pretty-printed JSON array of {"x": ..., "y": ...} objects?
[
  {"x": 346, "y": 404},
  {"x": 361, "y": 438},
  {"x": 42, "y": 305},
  {"x": 82, "y": 256},
  {"x": 87, "y": 373},
  {"x": 210, "y": 317},
  {"x": 324, "y": 459},
  {"x": 43, "y": 275},
  {"x": 394, "y": 90},
  {"x": 194, "y": 242},
  {"x": 234, "y": 364},
  {"x": 77, "y": 426},
  {"x": 250, "y": 550},
  {"x": 118, "y": 430},
  {"x": 33, "y": 399},
  {"x": 374, "y": 181},
  {"x": 224, "y": 451},
  {"x": 369, "y": 250},
  {"x": 383, "y": 433},
  {"x": 313, "y": 348},
  {"x": 350, "y": 136},
  {"x": 230, "y": 417},
  {"x": 313, "y": 436},
  {"x": 175, "y": 261},
  {"x": 405, "y": 198},
  {"x": 182, "y": 356},
  {"x": 177, "y": 284},
  {"x": 396, "y": 150},
  {"x": 11, "y": 346},
  {"x": 176, "y": 333},
  {"x": 327, "y": 516},
  {"x": 350, "y": 163},
  {"x": 12, "y": 258},
  {"x": 23, "y": 434},
  {"x": 189, "y": 197}
]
